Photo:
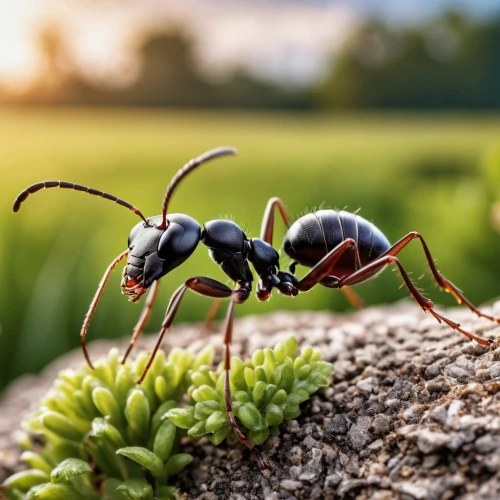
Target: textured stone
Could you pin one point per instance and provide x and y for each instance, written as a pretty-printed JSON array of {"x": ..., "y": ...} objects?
[
  {"x": 289, "y": 485},
  {"x": 413, "y": 412},
  {"x": 429, "y": 442}
]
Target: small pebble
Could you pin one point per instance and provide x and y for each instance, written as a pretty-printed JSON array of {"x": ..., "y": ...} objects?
[{"x": 290, "y": 485}]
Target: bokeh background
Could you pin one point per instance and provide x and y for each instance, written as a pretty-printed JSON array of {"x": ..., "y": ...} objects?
[{"x": 388, "y": 106}]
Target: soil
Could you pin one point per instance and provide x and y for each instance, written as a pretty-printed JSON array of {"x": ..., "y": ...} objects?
[{"x": 413, "y": 411}]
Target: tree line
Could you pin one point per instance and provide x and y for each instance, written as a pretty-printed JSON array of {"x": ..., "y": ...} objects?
[{"x": 448, "y": 63}]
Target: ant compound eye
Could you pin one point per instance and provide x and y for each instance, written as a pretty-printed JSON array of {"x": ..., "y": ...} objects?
[
  {"x": 170, "y": 241},
  {"x": 180, "y": 238},
  {"x": 134, "y": 233}
]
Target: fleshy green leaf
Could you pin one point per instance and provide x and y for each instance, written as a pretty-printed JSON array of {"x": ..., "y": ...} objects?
[
  {"x": 162, "y": 388},
  {"x": 106, "y": 403},
  {"x": 198, "y": 429},
  {"x": 164, "y": 440},
  {"x": 249, "y": 376},
  {"x": 143, "y": 457},
  {"x": 216, "y": 421},
  {"x": 26, "y": 479},
  {"x": 60, "y": 425},
  {"x": 137, "y": 412},
  {"x": 204, "y": 357},
  {"x": 250, "y": 417},
  {"x": 69, "y": 469},
  {"x": 159, "y": 416},
  {"x": 291, "y": 346},
  {"x": 124, "y": 383},
  {"x": 36, "y": 461},
  {"x": 258, "y": 358},
  {"x": 204, "y": 393},
  {"x": 259, "y": 393},
  {"x": 136, "y": 489},
  {"x": 177, "y": 462},
  {"x": 218, "y": 436},
  {"x": 182, "y": 417},
  {"x": 274, "y": 415},
  {"x": 258, "y": 437},
  {"x": 51, "y": 491},
  {"x": 101, "y": 428},
  {"x": 206, "y": 408},
  {"x": 166, "y": 493}
]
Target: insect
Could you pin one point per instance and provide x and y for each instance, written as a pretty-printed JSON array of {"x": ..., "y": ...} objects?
[{"x": 340, "y": 248}]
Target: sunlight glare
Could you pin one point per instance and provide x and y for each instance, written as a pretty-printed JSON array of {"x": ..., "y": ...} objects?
[{"x": 18, "y": 57}]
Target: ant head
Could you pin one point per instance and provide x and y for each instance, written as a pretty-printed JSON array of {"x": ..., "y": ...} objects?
[
  {"x": 156, "y": 246},
  {"x": 163, "y": 243},
  {"x": 153, "y": 253}
]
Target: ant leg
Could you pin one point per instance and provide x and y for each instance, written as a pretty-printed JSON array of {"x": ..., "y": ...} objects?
[
  {"x": 444, "y": 283},
  {"x": 353, "y": 298},
  {"x": 423, "y": 302},
  {"x": 210, "y": 317},
  {"x": 323, "y": 268},
  {"x": 93, "y": 305},
  {"x": 146, "y": 311},
  {"x": 204, "y": 286},
  {"x": 266, "y": 230},
  {"x": 228, "y": 336}
]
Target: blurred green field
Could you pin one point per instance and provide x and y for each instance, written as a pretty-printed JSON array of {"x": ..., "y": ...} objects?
[{"x": 422, "y": 173}]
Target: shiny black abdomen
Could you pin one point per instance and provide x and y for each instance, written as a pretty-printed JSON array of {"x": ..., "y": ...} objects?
[{"x": 313, "y": 235}]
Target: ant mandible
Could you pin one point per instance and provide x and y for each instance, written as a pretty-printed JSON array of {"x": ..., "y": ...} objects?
[{"x": 341, "y": 249}]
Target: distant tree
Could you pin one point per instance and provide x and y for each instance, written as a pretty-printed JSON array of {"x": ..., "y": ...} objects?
[
  {"x": 448, "y": 63},
  {"x": 168, "y": 75}
]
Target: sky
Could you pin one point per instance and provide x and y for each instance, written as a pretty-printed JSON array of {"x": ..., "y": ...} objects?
[{"x": 287, "y": 41}]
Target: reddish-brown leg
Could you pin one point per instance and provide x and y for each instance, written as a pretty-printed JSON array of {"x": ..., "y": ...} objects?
[
  {"x": 199, "y": 284},
  {"x": 440, "y": 279},
  {"x": 353, "y": 298},
  {"x": 323, "y": 268},
  {"x": 93, "y": 305},
  {"x": 210, "y": 317},
  {"x": 423, "y": 302},
  {"x": 228, "y": 337},
  {"x": 266, "y": 230},
  {"x": 146, "y": 312}
]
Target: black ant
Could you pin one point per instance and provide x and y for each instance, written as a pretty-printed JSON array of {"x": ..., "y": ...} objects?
[{"x": 341, "y": 249}]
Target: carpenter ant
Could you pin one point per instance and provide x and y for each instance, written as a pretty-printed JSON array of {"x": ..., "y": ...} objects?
[{"x": 341, "y": 249}]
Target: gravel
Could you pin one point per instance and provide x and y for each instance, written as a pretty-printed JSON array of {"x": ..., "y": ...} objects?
[{"x": 413, "y": 412}]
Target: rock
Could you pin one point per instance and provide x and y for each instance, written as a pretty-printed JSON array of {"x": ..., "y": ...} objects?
[
  {"x": 416, "y": 491},
  {"x": 429, "y": 442},
  {"x": 366, "y": 385},
  {"x": 377, "y": 445},
  {"x": 338, "y": 425},
  {"x": 289, "y": 485},
  {"x": 313, "y": 468},
  {"x": 381, "y": 424},
  {"x": 359, "y": 437},
  {"x": 487, "y": 444},
  {"x": 413, "y": 412}
]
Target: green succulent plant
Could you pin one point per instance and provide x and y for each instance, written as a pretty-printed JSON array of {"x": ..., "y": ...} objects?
[
  {"x": 266, "y": 390},
  {"x": 103, "y": 435}
]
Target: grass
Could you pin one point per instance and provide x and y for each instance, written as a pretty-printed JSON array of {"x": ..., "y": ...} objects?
[{"x": 406, "y": 172}]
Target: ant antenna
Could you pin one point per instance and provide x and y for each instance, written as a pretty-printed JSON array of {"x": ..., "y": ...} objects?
[
  {"x": 78, "y": 187},
  {"x": 185, "y": 170}
]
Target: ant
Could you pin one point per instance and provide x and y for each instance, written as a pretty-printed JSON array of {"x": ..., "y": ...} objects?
[{"x": 341, "y": 248}]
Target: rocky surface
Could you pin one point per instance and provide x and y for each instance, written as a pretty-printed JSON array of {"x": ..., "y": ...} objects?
[{"x": 413, "y": 412}]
